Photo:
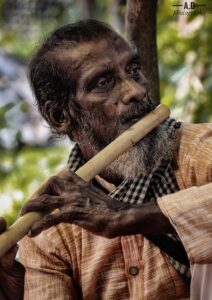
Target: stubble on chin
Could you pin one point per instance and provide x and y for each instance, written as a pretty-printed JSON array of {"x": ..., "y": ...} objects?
[{"x": 145, "y": 156}]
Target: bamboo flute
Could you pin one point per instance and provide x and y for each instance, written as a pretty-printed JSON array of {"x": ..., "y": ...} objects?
[{"x": 90, "y": 169}]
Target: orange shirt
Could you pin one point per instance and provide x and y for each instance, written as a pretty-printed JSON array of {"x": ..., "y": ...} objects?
[{"x": 68, "y": 262}]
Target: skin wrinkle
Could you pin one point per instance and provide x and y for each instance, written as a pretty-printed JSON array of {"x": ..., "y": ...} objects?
[
  {"x": 100, "y": 203},
  {"x": 104, "y": 115},
  {"x": 89, "y": 72},
  {"x": 66, "y": 58},
  {"x": 140, "y": 159},
  {"x": 85, "y": 50},
  {"x": 100, "y": 116}
]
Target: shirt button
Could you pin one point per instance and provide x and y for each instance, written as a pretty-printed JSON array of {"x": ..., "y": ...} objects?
[{"x": 133, "y": 271}]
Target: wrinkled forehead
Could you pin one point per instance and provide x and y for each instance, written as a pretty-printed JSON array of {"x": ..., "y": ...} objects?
[
  {"x": 101, "y": 47},
  {"x": 98, "y": 51}
]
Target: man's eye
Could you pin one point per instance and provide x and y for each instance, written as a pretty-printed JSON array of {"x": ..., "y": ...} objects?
[
  {"x": 134, "y": 69},
  {"x": 105, "y": 82}
]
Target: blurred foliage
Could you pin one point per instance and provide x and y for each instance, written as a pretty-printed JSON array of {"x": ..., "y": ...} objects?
[
  {"x": 184, "y": 51},
  {"x": 29, "y": 21},
  {"x": 22, "y": 173}
]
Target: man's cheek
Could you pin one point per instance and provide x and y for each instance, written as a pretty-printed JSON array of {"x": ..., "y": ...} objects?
[
  {"x": 106, "y": 132},
  {"x": 110, "y": 109}
]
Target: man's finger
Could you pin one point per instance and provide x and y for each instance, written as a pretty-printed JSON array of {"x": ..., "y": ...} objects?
[
  {"x": 54, "y": 186},
  {"x": 55, "y": 219},
  {"x": 74, "y": 178},
  {"x": 3, "y": 224},
  {"x": 44, "y": 203},
  {"x": 44, "y": 224}
]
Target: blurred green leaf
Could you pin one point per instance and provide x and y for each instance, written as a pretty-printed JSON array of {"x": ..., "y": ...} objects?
[{"x": 21, "y": 174}]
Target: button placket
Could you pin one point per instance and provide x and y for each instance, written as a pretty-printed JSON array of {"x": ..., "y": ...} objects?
[{"x": 132, "y": 253}]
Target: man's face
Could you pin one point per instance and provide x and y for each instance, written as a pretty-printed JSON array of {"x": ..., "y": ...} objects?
[
  {"x": 111, "y": 90},
  {"x": 111, "y": 95}
]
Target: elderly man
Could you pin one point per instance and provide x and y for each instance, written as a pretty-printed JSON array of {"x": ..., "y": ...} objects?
[{"x": 120, "y": 236}]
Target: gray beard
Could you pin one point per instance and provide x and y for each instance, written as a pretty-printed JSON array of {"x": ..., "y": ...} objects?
[{"x": 145, "y": 156}]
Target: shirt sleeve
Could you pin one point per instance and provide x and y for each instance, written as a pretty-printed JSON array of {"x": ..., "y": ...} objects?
[
  {"x": 190, "y": 210},
  {"x": 48, "y": 274},
  {"x": 190, "y": 213}
]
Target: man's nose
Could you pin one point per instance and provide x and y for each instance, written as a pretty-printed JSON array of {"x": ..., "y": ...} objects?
[{"x": 133, "y": 91}]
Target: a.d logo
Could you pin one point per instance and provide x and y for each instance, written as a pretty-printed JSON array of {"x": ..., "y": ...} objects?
[
  {"x": 189, "y": 8},
  {"x": 190, "y": 5}
]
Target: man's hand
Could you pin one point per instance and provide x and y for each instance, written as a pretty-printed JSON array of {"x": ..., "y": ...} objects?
[
  {"x": 11, "y": 272},
  {"x": 80, "y": 203}
]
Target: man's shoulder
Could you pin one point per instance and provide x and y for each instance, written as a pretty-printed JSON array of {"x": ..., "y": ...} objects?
[
  {"x": 193, "y": 136},
  {"x": 194, "y": 155},
  {"x": 194, "y": 132}
]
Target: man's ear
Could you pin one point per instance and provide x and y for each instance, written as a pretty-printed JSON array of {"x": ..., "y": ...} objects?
[{"x": 59, "y": 118}]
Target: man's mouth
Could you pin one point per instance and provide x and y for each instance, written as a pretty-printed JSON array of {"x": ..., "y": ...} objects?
[
  {"x": 131, "y": 119},
  {"x": 136, "y": 113},
  {"x": 129, "y": 122}
]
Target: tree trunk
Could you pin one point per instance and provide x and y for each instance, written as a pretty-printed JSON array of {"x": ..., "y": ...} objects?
[
  {"x": 116, "y": 18},
  {"x": 87, "y": 7},
  {"x": 141, "y": 33}
]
